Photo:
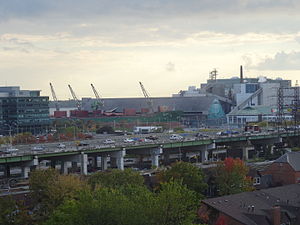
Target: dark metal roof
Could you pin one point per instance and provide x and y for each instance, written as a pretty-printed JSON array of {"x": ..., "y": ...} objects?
[
  {"x": 237, "y": 206},
  {"x": 292, "y": 158}
]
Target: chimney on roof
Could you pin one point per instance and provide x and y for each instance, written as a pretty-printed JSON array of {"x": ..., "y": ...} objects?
[
  {"x": 276, "y": 215},
  {"x": 241, "y": 75}
]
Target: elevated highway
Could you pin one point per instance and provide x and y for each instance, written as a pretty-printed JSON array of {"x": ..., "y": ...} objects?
[{"x": 95, "y": 155}]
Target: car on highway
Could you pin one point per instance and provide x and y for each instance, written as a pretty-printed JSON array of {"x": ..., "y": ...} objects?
[
  {"x": 10, "y": 150},
  {"x": 147, "y": 140},
  {"x": 83, "y": 144},
  {"x": 109, "y": 141},
  {"x": 201, "y": 135},
  {"x": 37, "y": 148},
  {"x": 176, "y": 137},
  {"x": 153, "y": 138},
  {"x": 128, "y": 140},
  {"x": 61, "y": 145}
]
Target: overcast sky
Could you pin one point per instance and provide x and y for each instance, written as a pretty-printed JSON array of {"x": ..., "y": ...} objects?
[{"x": 167, "y": 44}]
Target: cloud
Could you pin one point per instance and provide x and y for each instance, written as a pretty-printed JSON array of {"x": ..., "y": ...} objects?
[{"x": 281, "y": 61}]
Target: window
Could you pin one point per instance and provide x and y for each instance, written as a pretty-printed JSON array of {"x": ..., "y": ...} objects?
[
  {"x": 256, "y": 180},
  {"x": 251, "y": 88}
]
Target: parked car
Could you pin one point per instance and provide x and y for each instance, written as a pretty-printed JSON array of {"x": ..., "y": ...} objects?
[
  {"x": 128, "y": 140},
  {"x": 109, "y": 141}
]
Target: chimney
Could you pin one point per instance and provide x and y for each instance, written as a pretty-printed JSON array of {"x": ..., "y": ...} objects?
[
  {"x": 276, "y": 215},
  {"x": 241, "y": 75}
]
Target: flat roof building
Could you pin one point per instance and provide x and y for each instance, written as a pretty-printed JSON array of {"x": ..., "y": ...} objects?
[{"x": 23, "y": 110}]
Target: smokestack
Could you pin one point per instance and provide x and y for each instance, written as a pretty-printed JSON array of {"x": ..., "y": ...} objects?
[
  {"x": 276, "y": 215},
  {"x": 241, "y": 74}
]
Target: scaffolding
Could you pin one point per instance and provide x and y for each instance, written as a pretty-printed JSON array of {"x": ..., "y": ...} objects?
[{"x": 288, "y": 106}]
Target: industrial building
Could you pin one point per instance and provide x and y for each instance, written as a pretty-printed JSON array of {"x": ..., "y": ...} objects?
[
  {"x": 195, "y": 109},
  {"x": 214, "y": 103},
  {"x": 23, "y": 110}
]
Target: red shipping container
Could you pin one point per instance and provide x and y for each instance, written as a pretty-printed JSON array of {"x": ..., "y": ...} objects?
[
  {"x": 60, "y": 114},
  {"x": 129, "y": 112},
  {"x": 145, "y": 110}
]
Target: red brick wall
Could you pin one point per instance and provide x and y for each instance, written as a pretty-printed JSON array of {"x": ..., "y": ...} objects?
[{"x": 282, "y": 174}]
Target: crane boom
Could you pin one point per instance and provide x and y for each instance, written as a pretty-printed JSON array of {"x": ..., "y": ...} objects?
[
  {"x": 100, "y": 101},
  {"x": 147, "y": 96},
  {"x": 75, "y": 97},
  {"x": 54, "y": 98}
]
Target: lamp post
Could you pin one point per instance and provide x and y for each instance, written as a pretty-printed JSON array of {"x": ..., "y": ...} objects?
[{"x": 10, "y": 129}]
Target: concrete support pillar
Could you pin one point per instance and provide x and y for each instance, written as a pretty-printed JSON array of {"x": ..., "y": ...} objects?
[
  {"x": 245, "y": 153},
  {"x": 118, "y": 157},
  {"x": 84, "y": 163},
  {"x": 104, "y": 162},
  {"x": 27, "y": 166},
  {"x": 272, "y": 149},
  {"x": 155, "y": 156},
  {"x": 25, "y": 171},
  {"x": 98, "y": 161},
  {"x": 65, "y": 167},
  {"x": 204, "y": 155}
]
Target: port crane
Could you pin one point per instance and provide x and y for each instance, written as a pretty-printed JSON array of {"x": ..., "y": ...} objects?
[
  {"x": 54, "y": 98},
  {"x": 99, "y": 102},
  {"x": 148, "y": 98},
  {"x": 78, "y": 104}
]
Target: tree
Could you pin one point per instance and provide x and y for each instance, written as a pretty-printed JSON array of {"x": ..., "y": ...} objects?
[
  {"x": 105, "y": 206},
  {"x": 116, "y": 178},
  {"x": 189, "y": 174},
  {"x": 231, "y": 177},
  {"x": 50, "y": 189},
  {"x": 175, "y": 204},
  {"x": 13, "y": 212},
  {"x": 7, "y": 209},
  {"x": 129, "y": 205}
]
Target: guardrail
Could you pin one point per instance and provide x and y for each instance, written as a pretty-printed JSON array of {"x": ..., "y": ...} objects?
[{"x": 27, "y": 155}]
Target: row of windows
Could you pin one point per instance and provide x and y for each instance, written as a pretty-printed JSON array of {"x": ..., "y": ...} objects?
[
  {"x": 15, "y": 100},
  {"x": 33, "y": 111},
  {"x": 33, "y": 115},
  {"x": 34, "y": 121}
]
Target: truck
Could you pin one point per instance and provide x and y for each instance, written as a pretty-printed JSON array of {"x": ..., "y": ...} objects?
[{"x": 147, "y": 129}]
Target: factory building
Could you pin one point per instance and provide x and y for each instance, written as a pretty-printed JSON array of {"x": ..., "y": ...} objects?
[
  {"x": 195, "y": 109},
  {"x": 23, "y": 111}
]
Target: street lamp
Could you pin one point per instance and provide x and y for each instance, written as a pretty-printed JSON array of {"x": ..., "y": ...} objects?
[{"x": 10, "y": 129}]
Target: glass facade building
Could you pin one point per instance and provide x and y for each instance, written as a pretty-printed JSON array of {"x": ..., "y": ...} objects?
[{"x": 23, "y": 111}]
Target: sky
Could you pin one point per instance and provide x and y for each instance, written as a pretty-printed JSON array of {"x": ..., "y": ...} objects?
[{"x": 168, "y": 45}]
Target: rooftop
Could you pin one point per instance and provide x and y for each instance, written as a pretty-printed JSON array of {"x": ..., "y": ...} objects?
[
  {"x": 254, "y": 208},
  {"x": 292, "y": 158}
]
